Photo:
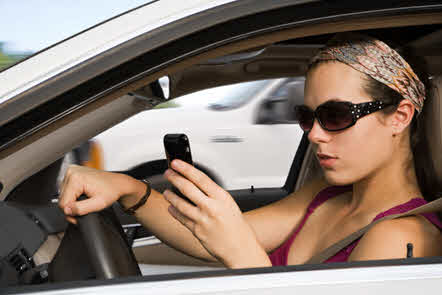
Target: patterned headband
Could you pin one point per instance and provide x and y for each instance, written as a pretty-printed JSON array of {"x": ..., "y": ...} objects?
[{"x": 376, "y": 59}]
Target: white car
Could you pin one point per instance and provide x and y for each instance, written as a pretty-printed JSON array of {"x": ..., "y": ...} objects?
[
  {"x": 69, "y": 93},
  {"x": 241, "y": 122}
]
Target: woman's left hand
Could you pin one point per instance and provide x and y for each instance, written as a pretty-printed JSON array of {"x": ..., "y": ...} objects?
[{"x": 215, "y": 220}]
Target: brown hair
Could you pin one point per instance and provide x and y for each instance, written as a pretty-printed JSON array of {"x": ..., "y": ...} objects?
[{"x": 423, "y": 164}]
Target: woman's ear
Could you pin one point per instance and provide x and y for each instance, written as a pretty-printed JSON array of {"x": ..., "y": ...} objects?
[{"x": 402, "y": 117}]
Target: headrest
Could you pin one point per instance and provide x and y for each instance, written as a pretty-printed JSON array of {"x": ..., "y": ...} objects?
[{"x": 433, "y": 123}]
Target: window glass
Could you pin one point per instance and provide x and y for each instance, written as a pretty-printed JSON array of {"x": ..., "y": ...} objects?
[
  {"x": 224, "y": 97},
  {"x": 227, "y": 142},
  {"x": 30, "y": 26}
]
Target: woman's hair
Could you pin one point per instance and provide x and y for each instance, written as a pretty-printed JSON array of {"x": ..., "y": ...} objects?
[{"x": 423, "y": 163}]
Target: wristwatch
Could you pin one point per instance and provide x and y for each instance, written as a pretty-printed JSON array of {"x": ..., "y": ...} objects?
[{"x": 142, "y": 201}]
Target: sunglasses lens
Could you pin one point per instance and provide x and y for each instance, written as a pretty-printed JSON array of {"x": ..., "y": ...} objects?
[
  {"x": 335, "y": 115},
  {"x": 305, "y": 117}
]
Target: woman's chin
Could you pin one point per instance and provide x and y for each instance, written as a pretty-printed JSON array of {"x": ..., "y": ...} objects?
[{"x": 334, "y": 178}]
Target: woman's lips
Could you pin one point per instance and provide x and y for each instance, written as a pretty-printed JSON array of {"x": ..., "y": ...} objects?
[{"x": 326, "y": 161}]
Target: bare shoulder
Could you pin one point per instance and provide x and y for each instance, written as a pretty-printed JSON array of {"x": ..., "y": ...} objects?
[{"x": 389, "y": 238}]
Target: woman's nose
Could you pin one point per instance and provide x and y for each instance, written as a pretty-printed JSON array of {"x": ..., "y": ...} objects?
[{"x": 317, "y": 134}]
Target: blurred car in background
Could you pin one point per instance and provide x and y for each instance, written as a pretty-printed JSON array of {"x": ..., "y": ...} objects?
[{"x": 242, "y": 122}]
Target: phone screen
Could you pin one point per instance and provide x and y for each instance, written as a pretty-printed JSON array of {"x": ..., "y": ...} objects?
[{"x": 177, "y": 146}]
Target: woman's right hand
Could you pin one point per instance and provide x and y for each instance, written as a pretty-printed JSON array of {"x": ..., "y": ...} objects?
[{"x": 102, "y": 188}]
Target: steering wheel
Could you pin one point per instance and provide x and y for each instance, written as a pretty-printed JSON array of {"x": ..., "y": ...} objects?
[{"x": 109, "y": 252}]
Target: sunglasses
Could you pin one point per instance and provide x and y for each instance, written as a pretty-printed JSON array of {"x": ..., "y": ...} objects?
[{"x": 335, "y": 115}]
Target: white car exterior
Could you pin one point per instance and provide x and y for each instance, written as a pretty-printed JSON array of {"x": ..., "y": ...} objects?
[{"x": 229, "y": 144}]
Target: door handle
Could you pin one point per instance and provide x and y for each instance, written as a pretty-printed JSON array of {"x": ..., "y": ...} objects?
[{"x": 226, "y": 139}]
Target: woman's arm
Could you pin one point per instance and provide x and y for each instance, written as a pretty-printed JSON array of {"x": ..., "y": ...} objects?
[
  {"x": 105, "y": 188},
  {"x": 258, "y": 231}
]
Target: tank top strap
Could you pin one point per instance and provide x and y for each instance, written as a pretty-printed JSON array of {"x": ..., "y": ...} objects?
[
  {"x": 343, "y": 255},
  {"x": 413, "y": 203}
]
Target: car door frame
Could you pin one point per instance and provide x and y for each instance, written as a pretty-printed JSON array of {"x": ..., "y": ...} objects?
[{"x": 267, "y": 278}]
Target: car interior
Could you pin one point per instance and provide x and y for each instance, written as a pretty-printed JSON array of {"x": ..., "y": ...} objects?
[{"x": 50, "y": 250}]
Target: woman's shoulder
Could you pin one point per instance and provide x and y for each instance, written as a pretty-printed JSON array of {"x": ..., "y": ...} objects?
[{"x": 388, "y": 239}]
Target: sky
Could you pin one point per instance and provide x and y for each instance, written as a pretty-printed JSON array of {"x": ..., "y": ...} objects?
[{"x": 32, "y": 25}]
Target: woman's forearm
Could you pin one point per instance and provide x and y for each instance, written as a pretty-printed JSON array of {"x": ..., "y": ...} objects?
[{"x": 154, "y": 216}]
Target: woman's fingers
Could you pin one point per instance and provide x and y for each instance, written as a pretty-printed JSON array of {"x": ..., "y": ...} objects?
[
  {"x": 71, "y": 219},
  {"x": 201, "y": 180},
  {"x": 182, "y": 218},
  {"x": 186, "y": 187},
  {"x": 69, "y": 193},
  {"x": 85, "y": 206},
  {"x": 182, "y": 206},
  {"x": 99, "y": 186}
]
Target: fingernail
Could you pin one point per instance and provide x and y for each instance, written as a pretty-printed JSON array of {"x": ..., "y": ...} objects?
[
  {"x": 68, "y": 211},
  {"x": 176, "y": 164}
]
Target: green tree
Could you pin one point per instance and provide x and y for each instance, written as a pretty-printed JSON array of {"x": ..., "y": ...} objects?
[
  {"x": 5, "y": 60},
  {"x": 9, "y": 59}
]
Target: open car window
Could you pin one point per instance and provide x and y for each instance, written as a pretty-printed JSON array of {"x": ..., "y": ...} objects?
[{"x": 79, "y": 107}]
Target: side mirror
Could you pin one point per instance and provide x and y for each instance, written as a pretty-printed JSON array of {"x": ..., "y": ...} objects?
[
  {"x": 279, "y": 109},
  {"x": 154, "y": 93},
  {"x": 161, "y": 87},
  {"x": 271, "y": 111}
]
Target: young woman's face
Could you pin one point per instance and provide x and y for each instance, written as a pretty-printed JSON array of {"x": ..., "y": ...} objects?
[{"x": 355, "y": 153}]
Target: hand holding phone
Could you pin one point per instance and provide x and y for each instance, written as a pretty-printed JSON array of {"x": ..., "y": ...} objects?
[{"x": 177, "y": 146}]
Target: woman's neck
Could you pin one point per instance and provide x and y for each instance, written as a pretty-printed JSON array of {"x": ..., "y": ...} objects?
[{"x": 390, "y": 186}]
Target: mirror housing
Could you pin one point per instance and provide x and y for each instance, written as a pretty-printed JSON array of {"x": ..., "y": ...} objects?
[{"x": 279, "y": 110}]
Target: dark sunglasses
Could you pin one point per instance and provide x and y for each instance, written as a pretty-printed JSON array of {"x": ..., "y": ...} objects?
[{"x": 335, "y": 115}]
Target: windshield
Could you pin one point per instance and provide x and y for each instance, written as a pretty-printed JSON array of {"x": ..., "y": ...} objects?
[
  {"x": 31, "y": 26},
  {"x": 225, "y": 97}
]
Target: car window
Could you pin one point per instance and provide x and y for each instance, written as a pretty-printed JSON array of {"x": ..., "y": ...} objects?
[
  {"x": 232, "y": 149},
  {"x": 221, "y": 98},
  {"x": 31, "y": 26},
  {"x": 225, "y": 139},
  {"x": 233, "y": 96}
]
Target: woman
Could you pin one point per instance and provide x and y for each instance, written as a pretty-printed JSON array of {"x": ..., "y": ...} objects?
[{"x": 365, "y": 129}]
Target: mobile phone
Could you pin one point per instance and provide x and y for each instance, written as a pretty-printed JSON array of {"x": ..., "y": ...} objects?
[{"x": 177, "y": 146}]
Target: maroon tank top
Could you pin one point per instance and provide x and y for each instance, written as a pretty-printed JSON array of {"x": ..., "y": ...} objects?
[{"x": 280, "y": 255}]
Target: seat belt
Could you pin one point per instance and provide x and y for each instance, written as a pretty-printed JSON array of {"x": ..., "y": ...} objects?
[{"x": 434, "y": 206}]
